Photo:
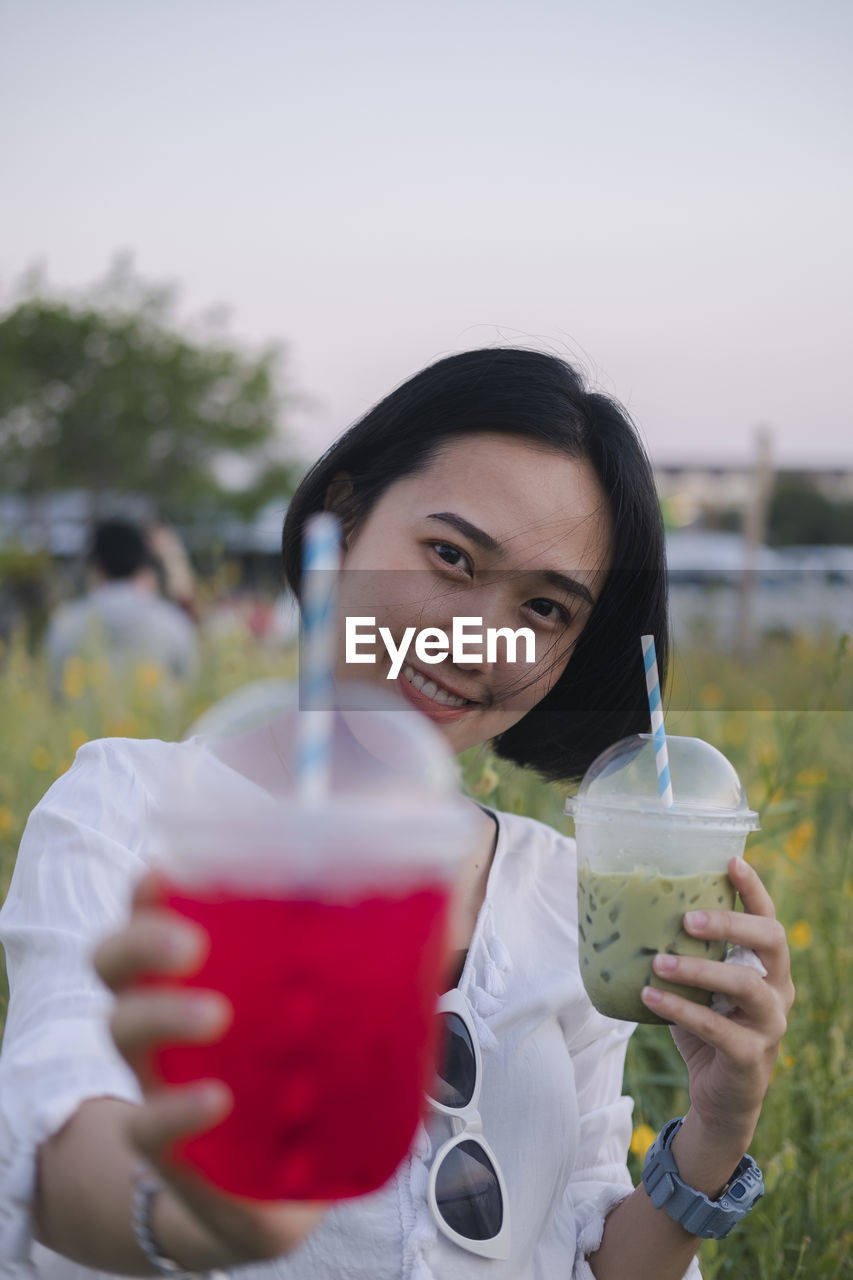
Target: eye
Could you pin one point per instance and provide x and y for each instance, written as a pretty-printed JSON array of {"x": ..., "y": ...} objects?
[
  {"x": 441, "y": 547},
  {"x": 560, "y": 614}
]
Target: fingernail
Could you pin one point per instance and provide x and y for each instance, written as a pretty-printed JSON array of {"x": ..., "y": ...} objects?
[
  {"x": 203, "y": 1013},
  {"x": 180, "y": 946},
  {"x": 210, "y": 1095},
  {"x": 651, "y": 995},
  {"x": 665, "y": 963},
  {"x": 696, "y": 919}
]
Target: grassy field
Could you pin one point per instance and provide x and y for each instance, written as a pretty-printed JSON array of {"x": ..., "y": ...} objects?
[{"x": 786, "y": 722}]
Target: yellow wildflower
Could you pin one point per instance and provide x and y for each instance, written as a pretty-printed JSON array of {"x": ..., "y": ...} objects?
[
  {"x": 148, "y": 676},
  {"x": 99, "y": 672},
  {"x": 641, "y": 1139},
  {"x": 126, "y": 728},
  {"x": 486, "y": 782},
  {"x": 787, "y": 1061},
  {"x": 813, "y": 777},
  {"x": 711, "y": 696},
  {"x": 768, "y": 753},
  {"x": 737, "y": 730},
  {"x": 7, "y": 820},
  {"x": 40, "y": 759},
  {"x": 73, "y": 677},
  {"x": 799, "y": 840},
  {"x": 77, "y": 738},
  {"x": 803, "y": 647},
  {"x": 800, "y": 935}
]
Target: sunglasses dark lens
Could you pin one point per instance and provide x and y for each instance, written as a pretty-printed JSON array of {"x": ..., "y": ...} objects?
[
  {"x": 457, "y": 1076},
  {"x": 467, "y": 1192}
]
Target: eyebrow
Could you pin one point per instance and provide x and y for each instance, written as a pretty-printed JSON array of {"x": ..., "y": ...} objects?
[{"x": 488, "y": 543}]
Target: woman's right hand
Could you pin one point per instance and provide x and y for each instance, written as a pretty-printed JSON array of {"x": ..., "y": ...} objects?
[{"x": 159, "y": 941}]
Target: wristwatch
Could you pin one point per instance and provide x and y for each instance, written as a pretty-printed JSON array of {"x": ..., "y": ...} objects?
[{"x": 711, "y": 1219}]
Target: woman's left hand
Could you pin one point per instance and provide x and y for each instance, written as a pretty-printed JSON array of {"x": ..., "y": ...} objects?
[{"x": 730, "y": 1059}]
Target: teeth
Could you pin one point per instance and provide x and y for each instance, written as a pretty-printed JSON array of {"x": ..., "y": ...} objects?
[{"x": 431, "y": 690}]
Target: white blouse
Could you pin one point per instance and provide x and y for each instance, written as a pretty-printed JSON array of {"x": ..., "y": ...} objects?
[{"x": 552, "y": 1066}]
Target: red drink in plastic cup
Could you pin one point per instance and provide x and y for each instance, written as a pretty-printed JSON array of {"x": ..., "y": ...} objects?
[
  {"x": 331, "y": 1046},
  {"x": 327, "y": 925}
]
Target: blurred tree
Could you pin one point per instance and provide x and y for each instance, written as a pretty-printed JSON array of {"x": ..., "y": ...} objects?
[
  {"x": 105, "y": 393},
  {"x": 800, "y": 515}
]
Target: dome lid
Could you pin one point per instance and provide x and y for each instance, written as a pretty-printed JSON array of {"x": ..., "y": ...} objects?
[{"x": 622, "y": 781}]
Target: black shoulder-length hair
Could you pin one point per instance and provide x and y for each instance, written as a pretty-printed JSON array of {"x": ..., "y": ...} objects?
[{"x": 601, "y": 695}]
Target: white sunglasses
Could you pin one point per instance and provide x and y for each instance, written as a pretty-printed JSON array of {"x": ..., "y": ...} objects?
[{"x": 467, "y": 1192}]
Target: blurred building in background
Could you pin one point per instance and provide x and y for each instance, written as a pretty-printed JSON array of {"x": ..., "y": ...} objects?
[
  {"x": 697, "y": 493},
  {"x": 803, "y": 586},
  {"x": 745, "y": 563}
]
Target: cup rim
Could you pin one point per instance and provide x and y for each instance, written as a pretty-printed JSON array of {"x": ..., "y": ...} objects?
[{"x": 584, "y": 810}]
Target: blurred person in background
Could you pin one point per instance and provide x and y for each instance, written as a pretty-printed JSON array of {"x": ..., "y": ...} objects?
[{"x": 122, "y": 617}]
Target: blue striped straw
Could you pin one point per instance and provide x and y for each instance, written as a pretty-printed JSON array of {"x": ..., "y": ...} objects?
[
  {"x": 320, "y": 563},
  {"x": 650, "y": 662}
]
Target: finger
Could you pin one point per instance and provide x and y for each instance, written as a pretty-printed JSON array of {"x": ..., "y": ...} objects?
[
  {"x": 255, "y": 1232},
  {"x": 760, "y": 933},
  {"x": 143, "y": 1019},
  {"x": 170, "y": 1114},
  {"x": 759, "y": 1002},
  {"x": 151, "y": 942},
  {"x": 739, "y": 1042},
  {"x": 753, "y": 893},
  {"x": 150, "y": 890}
]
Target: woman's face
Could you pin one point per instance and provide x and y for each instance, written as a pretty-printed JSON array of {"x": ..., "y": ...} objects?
[{"x": 498, "y": 528}]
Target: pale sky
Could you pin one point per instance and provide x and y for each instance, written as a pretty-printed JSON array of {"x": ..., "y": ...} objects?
[{"x": 661, "y": 192}]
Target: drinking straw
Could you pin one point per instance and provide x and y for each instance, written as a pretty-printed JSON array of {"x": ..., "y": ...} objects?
[
  {"x": 650, "y": 662},
  {"x": 320, "y": 565}
]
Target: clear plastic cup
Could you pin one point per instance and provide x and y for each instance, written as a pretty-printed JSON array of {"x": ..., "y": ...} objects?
[
  {"x": 327, "y": 926},
  {"x": 642, "y": 866}
]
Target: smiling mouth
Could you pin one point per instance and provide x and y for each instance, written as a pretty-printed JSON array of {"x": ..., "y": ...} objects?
[{"x": 429, "y": 689}]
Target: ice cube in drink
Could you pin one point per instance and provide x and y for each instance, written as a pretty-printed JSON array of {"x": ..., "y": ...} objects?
[{"x": 625, "y": 919}]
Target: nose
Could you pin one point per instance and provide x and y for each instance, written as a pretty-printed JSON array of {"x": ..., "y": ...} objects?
[
  {"x": 470, "y": 651},
  {"x": 509, "y": 677}
]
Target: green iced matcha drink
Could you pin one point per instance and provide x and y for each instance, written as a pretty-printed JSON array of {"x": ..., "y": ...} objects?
[
  {"x": 625, "y": 919},
  {"x": 643, "y": 865}
]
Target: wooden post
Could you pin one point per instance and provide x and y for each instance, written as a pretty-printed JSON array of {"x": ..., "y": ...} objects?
[{"x": 754, "y": 532}]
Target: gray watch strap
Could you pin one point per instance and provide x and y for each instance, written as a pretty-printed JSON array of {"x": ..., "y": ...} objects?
[{"x": 701, "y": 1216}]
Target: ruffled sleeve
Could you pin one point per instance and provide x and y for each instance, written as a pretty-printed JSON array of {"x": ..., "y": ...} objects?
[
  {"x": 600, "y": 1177},
  {"x": 76, "y": 867}
]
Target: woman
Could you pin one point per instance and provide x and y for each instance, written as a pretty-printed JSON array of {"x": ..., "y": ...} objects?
[{"x": 491, "y": 485}]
